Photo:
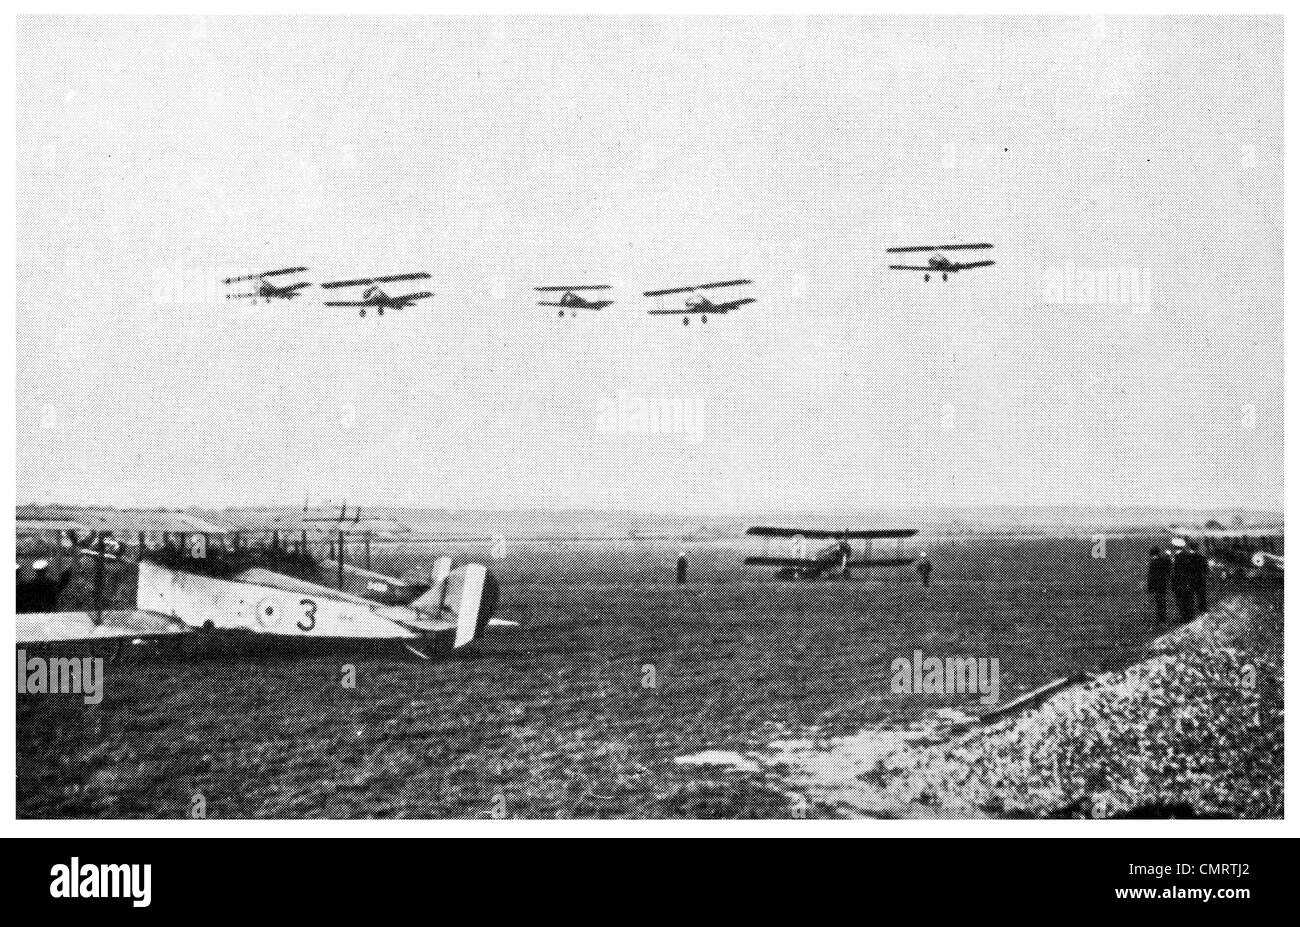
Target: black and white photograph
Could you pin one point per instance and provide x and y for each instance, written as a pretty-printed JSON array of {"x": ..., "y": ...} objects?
[{"x": 573, "y": 417}]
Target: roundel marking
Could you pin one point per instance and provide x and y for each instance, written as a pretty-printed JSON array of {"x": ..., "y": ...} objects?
[{"x": 268, "y": 613}]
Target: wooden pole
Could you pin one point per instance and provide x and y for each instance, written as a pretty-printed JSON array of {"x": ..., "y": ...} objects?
[
  {"x": 99, "y": 575},
  {"x": 340, "y": 560},
  {"x": 367, "y": 550}
]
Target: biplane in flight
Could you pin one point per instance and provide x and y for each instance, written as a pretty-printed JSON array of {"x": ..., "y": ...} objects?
[
  {"x": 374, "y": 297},
  {"x": 701, "y": 305},
  {"x": 266, "y": 289},
  {"x": 570, "y": 301},
  {"x": 836, "y": 559},
  {"x": 939, "y": 263}
]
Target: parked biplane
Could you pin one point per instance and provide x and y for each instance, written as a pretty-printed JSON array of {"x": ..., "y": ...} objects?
[
  {"x": 266, "y": 290},
  {"x": 570, "y": 301},
  {"x": 836, "y": 559},
  {"x": 170, "y": 600},
  {"x": 374, "y": 297},
  {"x": 939, "y": 263},
  {"x": 701, "y": 305}
]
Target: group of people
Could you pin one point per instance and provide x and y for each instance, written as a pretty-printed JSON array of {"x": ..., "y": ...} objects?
[{"x": 1185, "y": 571}]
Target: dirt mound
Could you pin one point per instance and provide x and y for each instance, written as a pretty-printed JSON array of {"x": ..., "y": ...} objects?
[{"x": 1196, "y": 730}]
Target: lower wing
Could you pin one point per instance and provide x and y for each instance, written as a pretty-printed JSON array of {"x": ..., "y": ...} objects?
[
  {"x": 48, "y": 627},
  {"x": 781, "y": 562},
  {"x": 594, "y": 307},
  {"x": 735, "y": 304},
  {"x": 972, "y": 264},
  {"x": 912, "y": 267}
]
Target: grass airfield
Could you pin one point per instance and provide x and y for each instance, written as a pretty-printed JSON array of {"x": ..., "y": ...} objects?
[{"x": 583, "y": 711}]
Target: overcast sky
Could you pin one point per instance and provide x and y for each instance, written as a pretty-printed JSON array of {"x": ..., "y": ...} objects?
[{"x": 499, "y": 154}]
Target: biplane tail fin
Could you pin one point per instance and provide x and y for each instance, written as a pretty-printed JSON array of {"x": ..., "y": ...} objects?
[{"x": 467, "y": 595}]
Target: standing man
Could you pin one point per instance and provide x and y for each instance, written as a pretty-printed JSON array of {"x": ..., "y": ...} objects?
[
  {"x": 681, "y": 567},
  {"x": 1183, "y": 580},
  {"x": 1200, "y": 576},
  {"x": 1158, "y": 567},
  {"x": 924, "y": 566}
]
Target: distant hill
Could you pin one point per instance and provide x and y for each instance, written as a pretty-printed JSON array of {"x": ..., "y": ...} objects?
[{"x": 547, "y": 524}]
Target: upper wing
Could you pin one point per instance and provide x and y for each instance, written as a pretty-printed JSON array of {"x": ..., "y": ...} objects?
[
  {"x": 337, "y": 303},
  {"x": 420, "y": 275},
  {"x": 269, "y": 273},
  {"x": 709, "y": 286},
  {"x": 674, "y": 311},
  {"x": 571, "y": 289},
  {"x": 680, "y": 289},
  {"x": 337, "y": 283},
  {"x": 936, "y": 248},
  {"x": 818, "y": 533},
  {"x": 48, "y": 627}
]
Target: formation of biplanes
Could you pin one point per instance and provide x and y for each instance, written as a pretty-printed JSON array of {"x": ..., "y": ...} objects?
[{"x": 568, "y": 300}]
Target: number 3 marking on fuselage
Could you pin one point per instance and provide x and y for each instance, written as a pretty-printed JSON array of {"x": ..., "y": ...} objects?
[{"x": 309, "y": 615}]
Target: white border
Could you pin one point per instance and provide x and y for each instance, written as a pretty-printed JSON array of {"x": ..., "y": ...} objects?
[{"x": 439, "y": 827}]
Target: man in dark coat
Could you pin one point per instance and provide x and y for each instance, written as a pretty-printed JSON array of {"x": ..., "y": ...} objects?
[
  {"x": 1183, "y": 580},
  {"x": 1158, "y": 567},
  {"x": 1200, "y": 576}
]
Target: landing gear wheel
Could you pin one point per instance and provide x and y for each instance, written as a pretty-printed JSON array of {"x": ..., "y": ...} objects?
[
  {"x": 686, "y": 320},
  {"x": 561, "y": 313},
  {"x": 363, "y": 313},
  {"x": 945, "y": 278},
  {"x": 380, "y": 310},
  {"x": 704, "y": 320},
  {"x": 927, "y": 278}
]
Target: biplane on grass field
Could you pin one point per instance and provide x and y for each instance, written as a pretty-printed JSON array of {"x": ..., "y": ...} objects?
[
  {"x": 837, "y": 559},
  {"x": 220, "y": 593}
]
